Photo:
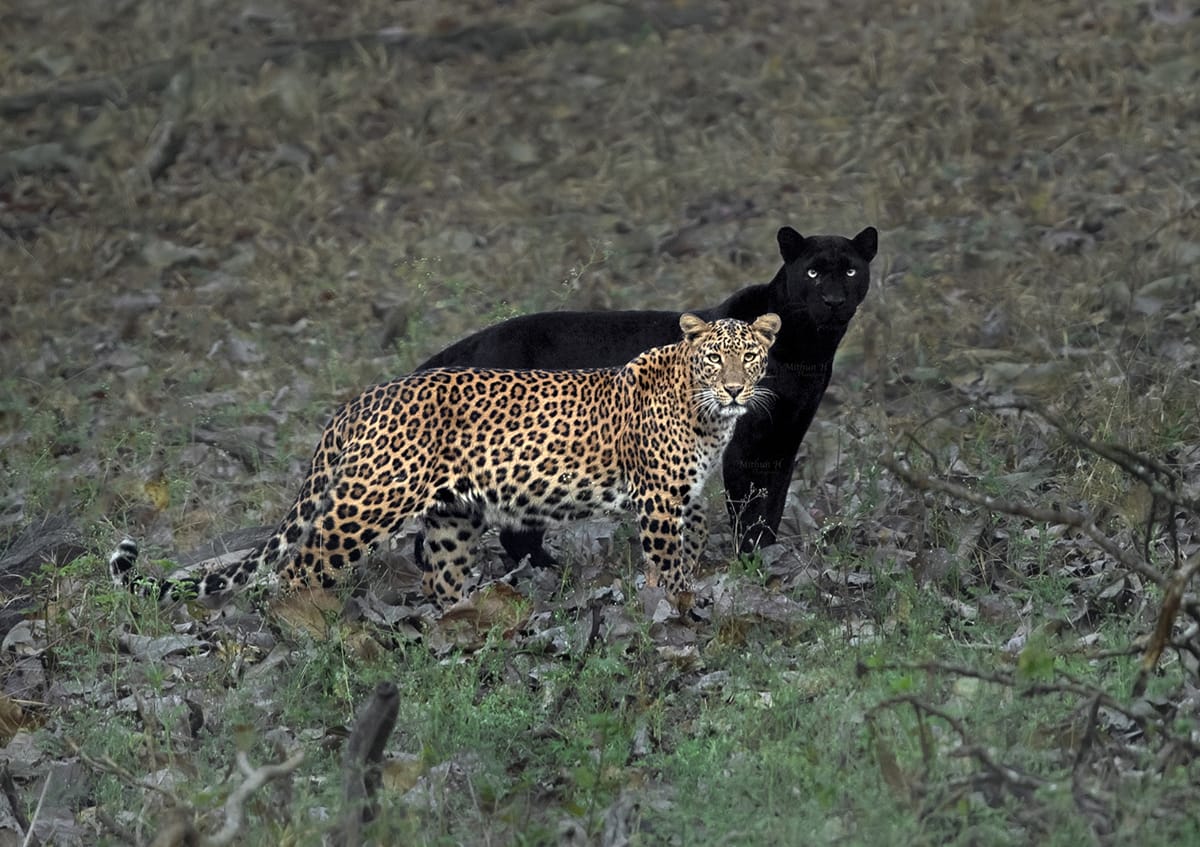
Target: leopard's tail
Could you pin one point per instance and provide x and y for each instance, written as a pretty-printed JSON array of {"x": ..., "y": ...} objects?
[
  {"x": 254, "y": 569},
  {"x": 297, "y": 530},
  {"x": 122, "y": 568},
  {"x": 226, "y": 579}
]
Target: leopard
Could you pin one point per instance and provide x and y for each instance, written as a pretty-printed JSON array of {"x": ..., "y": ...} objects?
[{"x": 462, "y": 450}]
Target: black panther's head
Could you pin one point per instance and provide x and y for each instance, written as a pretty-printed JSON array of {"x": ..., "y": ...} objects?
[{"x": 825, "y": 276}]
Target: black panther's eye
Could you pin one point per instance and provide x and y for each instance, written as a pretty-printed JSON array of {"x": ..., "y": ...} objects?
[
  {"x": 851, "y": 272},
  {"x": 812, "y": 273}
]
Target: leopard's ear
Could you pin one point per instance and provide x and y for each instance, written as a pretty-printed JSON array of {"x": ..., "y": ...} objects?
[
  {"x": 866, "y": 243},
  {"x": 692, "y": 326},
  {"x": 767, "y": 327},
  {"x": 791, "y": 244}
]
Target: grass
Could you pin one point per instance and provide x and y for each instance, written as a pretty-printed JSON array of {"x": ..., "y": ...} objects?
[{"x": 764, "y": 736}]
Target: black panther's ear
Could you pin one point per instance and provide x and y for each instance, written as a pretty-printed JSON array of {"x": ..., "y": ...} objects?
[
  {"x": 791, "y": 243},
  {"x": 866, "y": 243}
]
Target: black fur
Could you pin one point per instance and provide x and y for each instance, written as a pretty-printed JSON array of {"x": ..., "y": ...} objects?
[{"x": 816, "y": 313}]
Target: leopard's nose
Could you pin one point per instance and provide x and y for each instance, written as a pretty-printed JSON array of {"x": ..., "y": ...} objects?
[{"x": 734, "y": 389}]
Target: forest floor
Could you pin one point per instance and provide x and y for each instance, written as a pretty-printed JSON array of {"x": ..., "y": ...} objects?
[{"x": 982, "y": 624}]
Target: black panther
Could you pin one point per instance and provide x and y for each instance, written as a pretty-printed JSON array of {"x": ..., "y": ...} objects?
[{"x": 823, "y": 280}]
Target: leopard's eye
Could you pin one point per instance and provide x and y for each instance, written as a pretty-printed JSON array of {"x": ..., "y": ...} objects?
[
  {"x": 750, "y": 356},
  {"x": 812, "y": 273},
  {"x": 714, "y": 358},
  {"x": 851, "y": 272}
]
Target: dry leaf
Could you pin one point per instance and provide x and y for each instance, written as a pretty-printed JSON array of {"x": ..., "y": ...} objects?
[
  {"x": 159, "y": 493},
  {"x": 400, "y": 773},
  {"x": 467, "y": 623},
  {"x": 12, "y": 718},
  {"x": 308, "y": 610}
]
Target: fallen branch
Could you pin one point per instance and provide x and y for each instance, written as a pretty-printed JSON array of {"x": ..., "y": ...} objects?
[
  {"x": 361, "y": 760},
  {"x": 1165, "y": 624},
  {"x": 181, "y": 832},
  {"x": 1081, "y": 521},
  {"x": 1146, "y": 721},
  {"x": 256, "y": 778},
  {"x": 1140, "y": 467}
]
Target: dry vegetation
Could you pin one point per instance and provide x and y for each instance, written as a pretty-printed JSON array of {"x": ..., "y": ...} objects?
[{"x": 194, "y": 273}]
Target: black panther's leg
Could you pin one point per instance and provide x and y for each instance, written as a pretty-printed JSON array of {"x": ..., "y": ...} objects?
[
  {"x": 757, "y": 476},
  {"x": 761, "y": 458},
  {"x": 519, "y": 543}
]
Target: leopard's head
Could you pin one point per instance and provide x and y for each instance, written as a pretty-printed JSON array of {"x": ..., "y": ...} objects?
[
  {"x": 824, "y": 276},
  {"x": 728, "y": 359}
]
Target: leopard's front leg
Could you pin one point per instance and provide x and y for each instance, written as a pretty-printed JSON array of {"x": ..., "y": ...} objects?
[
  {"x": 663, "y": 546},
  {"x": 695, "y": 535}
]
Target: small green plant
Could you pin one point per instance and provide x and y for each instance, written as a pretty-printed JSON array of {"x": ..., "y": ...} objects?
[{"x": 749, "y": 565}]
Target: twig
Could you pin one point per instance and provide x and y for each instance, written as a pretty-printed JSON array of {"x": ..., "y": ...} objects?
[
  {"x": 107, "y": 765},
  {"x": 1065, "y": 684},
  {"x": 361, "y": 760},
  {"x": 1145, "y": 469},
  {"x": 15, "y": 803},
  {"x": 1020, "y": 782},
  {"x": 1089, "y": 737},
  {"x": 256, "y": 778},
  {"x": 1166, "y": 622},
  {"x": 115, "y": 828},
  {"x": 1017, "y": 781},
  {"x": 1068, "y": 685},
  {"x": 37, "y": 810},
  {"x": 1082, "y": 521}
]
